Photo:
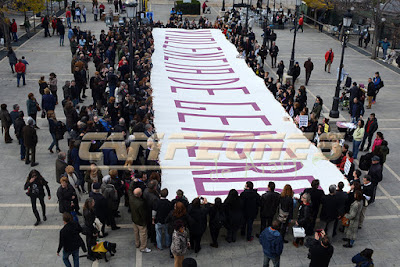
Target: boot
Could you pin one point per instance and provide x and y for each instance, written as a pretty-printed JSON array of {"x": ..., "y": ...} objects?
[{"x": 348, "y": 244}]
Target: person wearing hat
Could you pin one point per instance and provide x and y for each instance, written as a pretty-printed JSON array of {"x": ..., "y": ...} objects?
[{"x": 375, "y": 171}]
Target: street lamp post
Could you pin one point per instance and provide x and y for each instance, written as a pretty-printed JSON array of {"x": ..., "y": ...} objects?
[
  {"x": 223, "y": 5},
  {"x": 347, "y": 18},
  {"x": 131, "y": 11},
  {"x": 296, "y": 16}
]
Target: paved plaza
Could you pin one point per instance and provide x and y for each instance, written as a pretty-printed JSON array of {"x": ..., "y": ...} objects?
[{"x": 22, "y": 244}]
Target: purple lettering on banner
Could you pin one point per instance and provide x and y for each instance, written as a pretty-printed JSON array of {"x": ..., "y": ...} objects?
[
  {"x": 194, "y": 49},
  {"x": 199, "y": 71},
  {"x": 234, "y": 139},
  {"x": 191, "y": 59},
  {"x": 240, "y": 151},
  {"x": 240, "y": 167},
  {"x": 224, "y": 118},
  {"x": 201, "y": 191},
  {"x": 190, "y": 32},
  {"x": 206, "y": 38},
  {"x": 207, "y": 55},
  {"x": 178, "y": 104},
  {"x": 195, "y": 42},
  {"x": 196, "y": 66},
  {"x": 255, "y": 133},
  {"x": 203, "y": 81},
  {"x": 210, "y": 91}
]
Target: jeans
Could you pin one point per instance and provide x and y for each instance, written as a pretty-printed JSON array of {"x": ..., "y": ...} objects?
[
  {"x": 22, "y": 147},
  {"x": 69, "y": 22},
  {"x": 95, "y": 17},
  {"x": 308, "y": 75},
  {"x": 275, "y": 261},
  {"x": 61, "y": 39},
  {"x": 75, "y": 256},
  {"x": 159, "y": 233},
  {"x": 265, "y": 222},
  {"x": 84, "y": 18},
  {"x": 369, "y": 136},
  {"x": 15, "y": 36},
  {"x": 78, "y": 19},
  {"x": 55, "y": 142},
  {"x": 249, "y": 224},
  {"x": 19, "y": 75},
  {"x": 356, "y": 147}
]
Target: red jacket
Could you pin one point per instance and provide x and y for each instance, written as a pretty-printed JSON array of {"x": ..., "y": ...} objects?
[
  {"x": 20, "y": 67},
  {"x": 301, "y": 21},
  {"x": 327, "y": 56},
  {"x": 14, "y": 27},
  {"x": 68, "y": 14}
]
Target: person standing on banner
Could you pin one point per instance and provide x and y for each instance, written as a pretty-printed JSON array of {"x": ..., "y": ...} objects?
[
  {"x": 309, "y": 66},
  {"x": 272, "y": 244}
]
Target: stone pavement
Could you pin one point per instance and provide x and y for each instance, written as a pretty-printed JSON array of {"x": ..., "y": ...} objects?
[{"x": 22, "y": 244}]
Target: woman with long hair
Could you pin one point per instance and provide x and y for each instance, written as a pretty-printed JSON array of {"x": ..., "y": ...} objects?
[
  {"x": 92, "y": 176},
  {"x": 378, "y": 140},
  {"x": 285, "y": 214},
  {"x": 51, "y": 117},
  {"x": 180, "y": 242},
  {"x": 217, "y": 220},
  {"x": 53, "y": 85},
  {"x": 35, "y": 184},
  {"x": 91, "y": 232},
  {"x": 234, "y": 215},
  {"x": 354, "y": 219}
]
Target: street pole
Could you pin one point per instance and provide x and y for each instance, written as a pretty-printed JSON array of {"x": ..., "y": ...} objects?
[
  {"x": 223, "y": 5},
  {"x": 294, "y": 38},
  {"x": 274, "y": 8},
  {"x": 247, "y": 18},
  {"x": 334, "y": 113}
]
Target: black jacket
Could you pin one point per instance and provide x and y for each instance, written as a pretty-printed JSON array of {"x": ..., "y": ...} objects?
[
  {"x": 30, "y": 136},
  {"x": 368, "y": 190},
  {"x": 199, "y": 216},
  {"x": 286, "y": 204},
  {"x": 305, "y": 219},
  {"x": 269, "y": 203},
  {"x": 251, "y": 202},
  {"x": 320, "y": 256},
  {"x": 316, "y": 196},
  {"x": 371, "y": 89},
  {"x": 64, "y": 196},
  {"x": 375, "y": 171},
  {"x": 233, "y": 213},
  {"x": 329, "y": 210},
  {"x": 89, "y": 216},
  {"x": 163, "y": 207},
  {"x": 372, "y": 128},
  {"x": 341, "y": 198},
  {"x": 70, "y": 239},
  {"x": 18, "y": 126},
  {"x": 100, "y": 205}
]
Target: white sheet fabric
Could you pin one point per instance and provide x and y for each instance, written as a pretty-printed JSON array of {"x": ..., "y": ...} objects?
[{"x": 188, "y": 69}]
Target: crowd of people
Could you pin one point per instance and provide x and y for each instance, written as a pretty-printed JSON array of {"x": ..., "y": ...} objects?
[{"x": 123, "y": 104}]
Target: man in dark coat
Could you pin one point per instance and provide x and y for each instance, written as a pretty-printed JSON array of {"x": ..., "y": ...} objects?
[
  {"x": 329, "y": 211},
  {"x": 70, "y": 240},
  {"x": 161, "y": 209},
  {"x": 369, "y": 129},
  {"x": 30, "y": 141},
  {"x": 151, "y": 196},
  {"x": 309, "y": 66},
  {"x": 370, "y": 92},
  {"x": 251, "y": 202},
  {"x": 273, "y": 52},
  {"x": 268, "y": 205},
  {"x": 19, "y": 125},
  {"x": 100, "y": 205},
  {"x": 355, "y": 92},
  {"x": 375, "y": 171},
  {"x": 368, "y": 191},
  {"x": 321, "y": 251},
  {"x": 6, "y": 122},
  {"x": 341, "y": 199},
  {"x": 316, "y": 196}
]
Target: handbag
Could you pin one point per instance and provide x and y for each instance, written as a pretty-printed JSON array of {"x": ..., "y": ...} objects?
[
  {"x": 43, "y": 114},
  {"x": 345, "y": 221},
  {"x": 282, "y": 215},
  {"x": 28, "y": 192}
]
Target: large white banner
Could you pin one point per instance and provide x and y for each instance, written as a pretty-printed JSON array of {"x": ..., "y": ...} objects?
[{"x": 221, "y": 125}]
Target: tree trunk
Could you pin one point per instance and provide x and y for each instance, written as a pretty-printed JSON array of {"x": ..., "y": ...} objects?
[
  {"x": 6, "y": 30},
  {"x": 377, "y": 23},
  {"x": 315, "y": 17}
]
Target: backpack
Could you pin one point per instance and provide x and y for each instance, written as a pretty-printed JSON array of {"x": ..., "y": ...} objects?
[
  {"x": 60, "y": 130},
  {"x": 365, "y": 162},
  {"x": 381, "y": 84}
]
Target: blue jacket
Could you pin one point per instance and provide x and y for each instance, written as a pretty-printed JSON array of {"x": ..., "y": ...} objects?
[
  {"x": 272, "y": 242},
  {"x": 360, "y": 259},
  {"x": 106, "y": 125},
  {"x": 385, "y": 45},
  {"x": 48, "y": 102}
]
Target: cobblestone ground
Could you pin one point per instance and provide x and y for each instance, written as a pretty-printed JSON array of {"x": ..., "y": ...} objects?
[{"x": 22, "y": 244}]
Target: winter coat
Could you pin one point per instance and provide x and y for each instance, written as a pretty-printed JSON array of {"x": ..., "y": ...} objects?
[
  {"x": 354, "y": 217},
  {"x": 138, "y": 209},
  {"x": 269, "y": 203},
  {"x": 179, "y": 243},
  {"x": 19, "y": 125},
  {"x": 111, "y": 196},
  {"x": 361, "y": 261},
  {"x": 12, "y": 58},
  {"x": 329, "y": 210},
  {"x": 375, "y": 171},
  {"x": 30, "y": 136},
  {"x": 70, "y": 239},
  {"x": 251, "y": 202},
  {"x": 100, "y": 205},
  {"x": 48, "y": 102},
  {"x": 199, "y": 216},
  {"x": 31, "y": 107},
  {"x": 320, "y": 256},
  {"x": 305, "y": 219},
  {"x": 5, "y": 118},
  {"x": 89, "y": 216},
  {"x": 271, "y": 242},
  {"x": 64, "y": 196}
]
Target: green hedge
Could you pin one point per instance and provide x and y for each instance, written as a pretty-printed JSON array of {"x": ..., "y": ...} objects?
[{"x": 192, "y": 8}]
